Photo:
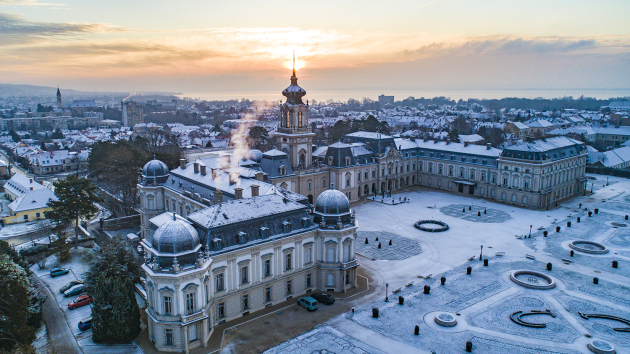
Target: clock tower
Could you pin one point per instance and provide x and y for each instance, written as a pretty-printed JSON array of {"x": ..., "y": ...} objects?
[{"x": 294, "y": 135}]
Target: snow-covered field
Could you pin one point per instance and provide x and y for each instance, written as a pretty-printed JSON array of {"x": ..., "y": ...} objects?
[{"x": 486, "y": 298}]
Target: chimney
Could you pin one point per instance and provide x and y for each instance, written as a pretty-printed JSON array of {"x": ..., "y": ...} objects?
[
  {"x": 196, "y": 166},
  {"x": 218, "y": 197},
  {"x": 488, "y": 146},
  {"x": 214, "y": 173},
  {"x": 182, "y": 164},
  {"x": 259, "y": 176},
  {"x": 203, "y": 170},
  {"x": 448, "y": 141},
  {"x": 238, "y": 193},
  {"x": 465, "y": 143},
  {"x": 30, "y": 180},
  {"x": 31, "y": 188},
  {"x": 41, "y": 182},
  {"x": 255, "y": 190}
]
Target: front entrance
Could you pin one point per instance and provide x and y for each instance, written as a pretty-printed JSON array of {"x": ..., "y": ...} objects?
[
  {"x": 460, "y": 188},
  {"x": 471, "y": 189}
]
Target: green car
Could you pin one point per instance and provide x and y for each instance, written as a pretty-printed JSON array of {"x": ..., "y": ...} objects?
[
  {"x": 55, "y": 272},
  {"x": 69, "y": 285},
  {"x": 75, "y": 290},
  {"x": 308, "y": 303}
]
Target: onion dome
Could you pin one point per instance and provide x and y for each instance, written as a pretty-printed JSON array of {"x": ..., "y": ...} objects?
[
  {"x": 175, "y": 237},
  {"x": 256, "y": 155},
  {"x": 294, "y": 93},
  {"x": 332, "y": 206},
  {"x": 155, "y": 171}
]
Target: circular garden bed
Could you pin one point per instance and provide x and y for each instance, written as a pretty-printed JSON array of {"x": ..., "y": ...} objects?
[{"x": 427, "y": 225}]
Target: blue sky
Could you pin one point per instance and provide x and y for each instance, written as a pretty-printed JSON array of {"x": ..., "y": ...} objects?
[{"x": 236, "y": 46}]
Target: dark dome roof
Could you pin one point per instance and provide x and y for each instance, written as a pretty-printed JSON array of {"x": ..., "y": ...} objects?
[
  {"x": 332, "y": 202},
  {"x": 155, "y": 170},
  {"x": 175, "y": 236}
]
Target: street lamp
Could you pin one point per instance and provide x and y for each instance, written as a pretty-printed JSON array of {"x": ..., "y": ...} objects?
[
  {"x": 386, "y": 290},
  {"x": 481, "y": 254},
  {"x": 530, "y": 231}
]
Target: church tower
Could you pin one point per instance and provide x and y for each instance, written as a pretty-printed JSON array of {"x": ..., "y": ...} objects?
[
  {"x": 294, "y": 135},
  {"x": 58, "y": 98}
]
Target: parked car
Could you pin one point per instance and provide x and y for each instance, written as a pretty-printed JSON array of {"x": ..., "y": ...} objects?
[
  {"x": 324, "y": 298},
  {"x": 80, "y": 301},
  {"x": 85, "y": 324},
  {"x": 69, "y": 285},
  {"x": 75, "y": 290},
  {"x": 57, "y": 271},
  {"x": 308, "y": 303}
]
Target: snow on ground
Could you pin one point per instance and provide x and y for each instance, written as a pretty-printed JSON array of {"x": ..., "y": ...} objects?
[
  {"x": 122, "y": 232},
  {"x": 79, "y": 266},
  {"x": 484, "y": 298},
  {"x": 14, "y": 230}
]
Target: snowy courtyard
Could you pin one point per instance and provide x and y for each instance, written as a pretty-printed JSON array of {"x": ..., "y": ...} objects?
[{"x": 558, "y": 291}]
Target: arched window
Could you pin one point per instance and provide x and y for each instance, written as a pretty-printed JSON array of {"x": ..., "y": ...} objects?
[
  {"x": 348, "y": 179},
  {"x": 299, "y": 119},
  {"x": 347, "y": 160},
  {"x": 309, "y": 184},
  {"x": 288, "y": 124}
]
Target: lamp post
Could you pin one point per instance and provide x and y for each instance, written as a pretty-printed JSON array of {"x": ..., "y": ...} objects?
[
  {"x": 606, "y": 181},
  {"x": 530, "y": 231},
  {"x": 386, "y": 291},
  {"x": 481, "y": 254}
]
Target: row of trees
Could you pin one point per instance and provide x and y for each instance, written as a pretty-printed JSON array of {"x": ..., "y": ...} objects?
[
  {"x": 116, "y": 166},
  {"x": 20, "y": 303}
]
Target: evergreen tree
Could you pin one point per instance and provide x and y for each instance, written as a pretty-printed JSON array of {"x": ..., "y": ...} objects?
[
  {"x": 76, "y": 198},
  {"x": 14, "y": 306},
  {"x": 117, "y": 260},
  {"x": 115, "y": 313}
]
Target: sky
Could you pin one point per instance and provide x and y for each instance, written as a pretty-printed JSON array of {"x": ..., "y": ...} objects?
[{"x": 244, "y": 48}]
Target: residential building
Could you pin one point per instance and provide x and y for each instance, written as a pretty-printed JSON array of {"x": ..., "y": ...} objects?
[
  {"x": 617, "y": 158},
  {"x": 132, "y": 113},
  {"x": 540, "y": 127},
  {"x": 19, "y": 184},
  {"x": 519, "y": 129},
  {"x": 29, "y": 207}
]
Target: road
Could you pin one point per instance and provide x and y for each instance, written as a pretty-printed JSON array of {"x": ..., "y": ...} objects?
[{"x": 59, "y": 334}]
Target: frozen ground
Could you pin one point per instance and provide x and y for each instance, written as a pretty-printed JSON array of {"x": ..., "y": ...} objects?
[
  {"x": 483, "y": 302},
  {"x": 78, "y": 265}
]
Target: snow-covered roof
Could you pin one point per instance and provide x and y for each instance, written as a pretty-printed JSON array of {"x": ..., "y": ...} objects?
[
  {"x": 20, "y": 184},
  {"x": 239, "y": 210},
  {"x": 369, "y": 135},
  {"x": 471, "y": 138},
  {"x": 460, "y": 148},
  {"x": 540, "y": 124},
  {"x": 31, "y": 200},
  {"x": 545, "y": 145}
]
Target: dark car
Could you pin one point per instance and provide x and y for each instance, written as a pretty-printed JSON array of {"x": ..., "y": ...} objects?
[
  {"x": 69, "y": 285},
  {"x": 80, "y": 301},
  {"x": 324, "y": 298},
  {"x": 55, "y": 272},
  {"x": 75, "y": 290},
  {"x": 85, "y": 324}
]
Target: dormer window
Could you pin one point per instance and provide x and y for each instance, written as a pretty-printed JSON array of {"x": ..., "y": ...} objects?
[
  {"x": 286, "y": 226},
  {"x": 264, "y": 232},
  {"x": 242, "y": 237},
  {"x": 330, "y": 160},
  {"x": 283, "y": 170},
  {"x": 347, "y": 161},
  {"x": 305, "y": 222},
  {"x": 217, "y": 244}
]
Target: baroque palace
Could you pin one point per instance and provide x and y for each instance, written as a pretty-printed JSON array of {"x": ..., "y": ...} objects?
[{"x": 225, "y": 238}]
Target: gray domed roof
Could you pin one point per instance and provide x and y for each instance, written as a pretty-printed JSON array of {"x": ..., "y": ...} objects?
[
  {"x": 175, "y": 236},
  {"x": 256, "y": 155},
  {"x": 332, "y": 202},
  {"x": 155, "y": 170}
]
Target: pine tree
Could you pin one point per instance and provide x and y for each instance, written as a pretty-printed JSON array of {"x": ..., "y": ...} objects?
[{"x": 115, "y": 313}]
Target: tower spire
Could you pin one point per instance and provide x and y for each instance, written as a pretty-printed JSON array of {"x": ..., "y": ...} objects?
[{"x": 294, "y": 62}]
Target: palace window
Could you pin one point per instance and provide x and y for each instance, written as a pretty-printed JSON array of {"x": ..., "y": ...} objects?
[
  {"x": 221, "y": 310},
  {"x": 267, "y": 268},
  {"x": 219, "y": 282},
  {"x": 288, "y": 262},
  {"x": 168, "y": 304},
  {"x": 245, "y": 302},
  {"x": 299, "y": 119},
  {"x": 308, "y": 280},
  {"x": 289, "y": 287},
  {"x": 168, "y": 337},
  {"x": 267, "y": 294},
  {"x": 190, "y": 303},
  {"x": 244, "y": 275}
]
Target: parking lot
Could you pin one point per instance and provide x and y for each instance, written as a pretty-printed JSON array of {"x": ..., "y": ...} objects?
[{"x": 72, "y": 316}]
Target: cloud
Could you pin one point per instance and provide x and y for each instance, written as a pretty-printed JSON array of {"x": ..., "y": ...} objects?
[
  {"x": 27, "y": 3},
  {"x": 506, "y": 46},
  {"x": 16, "y": 30}
]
